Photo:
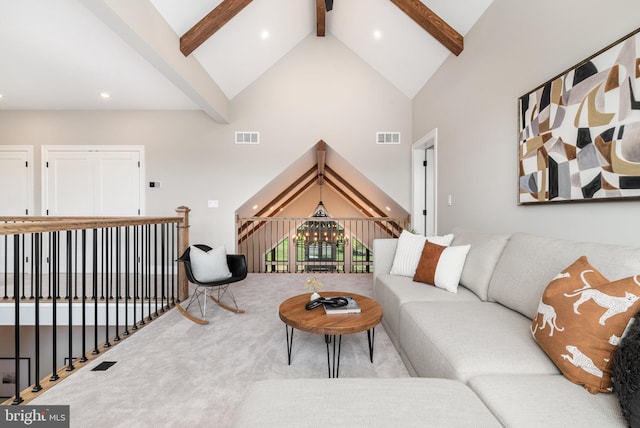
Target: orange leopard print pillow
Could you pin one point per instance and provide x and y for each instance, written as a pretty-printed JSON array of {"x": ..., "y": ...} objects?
[{"x": 581, "y": 318}]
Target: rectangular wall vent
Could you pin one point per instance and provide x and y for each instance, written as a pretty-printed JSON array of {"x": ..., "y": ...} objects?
[
  {"x": 387, "y": 138},
  {"x": 247, "y": 137}
]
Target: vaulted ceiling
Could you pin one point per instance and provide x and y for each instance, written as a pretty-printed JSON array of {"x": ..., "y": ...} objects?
[{"x": 62, "y": 54}]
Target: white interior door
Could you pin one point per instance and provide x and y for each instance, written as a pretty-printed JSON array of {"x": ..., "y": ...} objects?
[
  {"x": 69, "y": 177},
  {"x": 118, "y": 184},
  {"x": 16, "y": 198},
  {"x": 96, "y": 181},
  {"x": 16, "y": 180}
]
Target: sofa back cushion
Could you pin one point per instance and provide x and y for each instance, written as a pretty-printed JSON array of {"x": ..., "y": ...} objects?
[
  {"x": 529, "y": 263},
  {"x": 482, "y": 258}
]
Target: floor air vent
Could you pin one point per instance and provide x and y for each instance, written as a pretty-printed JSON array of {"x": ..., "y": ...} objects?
[
  {"x": 387, "y": 138},
  {"x": 105, "y": 365}
]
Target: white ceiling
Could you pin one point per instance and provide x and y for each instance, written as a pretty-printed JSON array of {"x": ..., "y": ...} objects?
[{"x": 57, "y": 54}]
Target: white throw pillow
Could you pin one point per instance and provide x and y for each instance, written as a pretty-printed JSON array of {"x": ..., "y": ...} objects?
[
  {"x": 409, "y": 250},
  {"x": 441, "y": 266},
  {"x": 209, "y": 266}
]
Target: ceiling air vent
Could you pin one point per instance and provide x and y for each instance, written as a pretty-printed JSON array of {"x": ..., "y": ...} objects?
[
  {"x": 387, "y": 138},
  {"x": 247, "y": 137}
]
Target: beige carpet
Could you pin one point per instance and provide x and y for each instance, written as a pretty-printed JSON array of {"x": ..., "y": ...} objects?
[{"x": 176, "y": 373}]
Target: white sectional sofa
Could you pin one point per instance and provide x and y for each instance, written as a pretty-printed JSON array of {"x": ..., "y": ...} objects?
[
  {"x": 481, "y": 335},
  {"x": 477, "y": 342}
]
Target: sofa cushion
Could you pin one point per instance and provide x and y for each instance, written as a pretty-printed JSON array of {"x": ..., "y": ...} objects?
[
  {"x": 392, "y": 291},
  {"x": 404, "y": 402},
  {"x": 531, "y": 262},
  {"x": 482, "y": 258},
  {"x": 459, "y": 340},
  {"x": 409, "y": 250},
  {"x": 441, "y": 266},
  {"x": 545, "y": 401},
  {"x": 586, "y": 316}
]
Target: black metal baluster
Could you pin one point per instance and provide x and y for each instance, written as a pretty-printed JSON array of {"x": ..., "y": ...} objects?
[
  {"x": 95, "y": 293},
  {"x": 162, "y": 267},
  {"x": 173, "y": 263},
  {"x": 16, "y": 290},
  {"x": 117, "y": 337},
  {"x": 54, "y": 309},
  {"x": 22, "y": 259},
  {"x": 126, "y": 281},
  {"x": 56, "y": 250},
  {"x": 142, "y": 271},
  {"x": 37, "y": 261},
  {"x": 75, "y": 263},
  {"x": 84, "y": 358},
  {"x": 50, "y": 263},
  {"x": 110, "y": 262},
  {"x": 135, "y": 275},
  {"x": 69, "y": 287},
  {"x": 104, "y": 271},
  {"x": 6, "y": 269},
  {"x": 155, "y": 268},
  {"x": 107, "y": 277},
  {"x": 148, "y": 252},
  {"x": 31, "y": 268}
]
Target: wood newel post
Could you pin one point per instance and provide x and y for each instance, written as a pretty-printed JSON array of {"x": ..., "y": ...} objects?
[{"x": 183, "y": 244}]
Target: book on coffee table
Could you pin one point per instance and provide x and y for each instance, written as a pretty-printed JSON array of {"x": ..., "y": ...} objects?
[{"x": 350, "y": 308}]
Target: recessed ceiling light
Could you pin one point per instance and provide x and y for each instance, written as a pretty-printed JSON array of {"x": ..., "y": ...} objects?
[
  {"x": 105, "y": 95},
  {"x": 388, "y": 209},
  {"x": 0, "y": 95},
  {"x": 265, "y": 35},
  {"x": 255, "y": 207},
  {"x": 377, "y": 34}
]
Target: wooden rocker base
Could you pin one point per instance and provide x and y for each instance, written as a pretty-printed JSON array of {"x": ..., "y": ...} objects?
[
  {"x": 229, "y": 308},
  {"x": 191, "y": 317}
]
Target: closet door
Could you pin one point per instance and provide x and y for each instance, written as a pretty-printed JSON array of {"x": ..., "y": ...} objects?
[
  {"x": 16, "y": 184},
  {"x": 117, "y": 190},
  {"x": 70, "y": 183},
  {"x": 16, "y": 199},
  {"x": 96, "y": 181}
]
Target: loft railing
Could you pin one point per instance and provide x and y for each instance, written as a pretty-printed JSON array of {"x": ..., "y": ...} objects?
[
  {"x": 316, "y": 244},
  {"x": 86, "y": 283}
]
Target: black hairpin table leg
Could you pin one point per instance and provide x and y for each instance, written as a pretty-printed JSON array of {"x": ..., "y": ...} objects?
[
  {"x": 334, "y": 369},
  {"x": 289, "y": 343},
  {"x": 371, "y": 335}
]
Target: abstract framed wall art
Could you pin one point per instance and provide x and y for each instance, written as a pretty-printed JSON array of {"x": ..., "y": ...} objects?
[{"x": 579, "y": 133}]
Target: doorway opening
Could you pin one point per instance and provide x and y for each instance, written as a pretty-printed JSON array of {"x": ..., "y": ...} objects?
[{"x": 424, "y": 167}]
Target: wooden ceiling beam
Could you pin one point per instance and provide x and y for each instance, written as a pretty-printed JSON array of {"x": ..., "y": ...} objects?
[
  {"x": 211, "y": 23},
  {"x": 321, "y": 17},
  {"x": 345, "y": 184},
  {"x": 433, "y": 24},
  {"x": 321, "y": 162},
  {"x": 277, "y": 201}
]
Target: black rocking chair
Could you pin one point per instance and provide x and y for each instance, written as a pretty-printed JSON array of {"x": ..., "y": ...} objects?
[{"x": 237, "y": 264}]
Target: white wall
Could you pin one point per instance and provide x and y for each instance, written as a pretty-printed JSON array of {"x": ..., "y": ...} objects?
[
  {"x": 320, "y": 90},
  {"x": 472, "y": 100}
]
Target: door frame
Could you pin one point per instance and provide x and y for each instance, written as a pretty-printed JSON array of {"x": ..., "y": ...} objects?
[
  {"x": 46, "y": 149},
  {"x": 29, "y": 150},
  {"x": 419, "y": 179}
]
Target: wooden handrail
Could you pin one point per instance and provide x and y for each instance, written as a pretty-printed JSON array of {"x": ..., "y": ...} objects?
[{"x": 19, "y": 225}]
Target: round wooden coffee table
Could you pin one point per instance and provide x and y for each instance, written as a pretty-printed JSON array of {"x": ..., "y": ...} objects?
[{"x": 293, "y": 313}]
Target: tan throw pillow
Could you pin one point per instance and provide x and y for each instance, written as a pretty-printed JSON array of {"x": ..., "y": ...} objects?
[
  {"x": 441, "y": 266},
  {"x": 581, "y": 318}
]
